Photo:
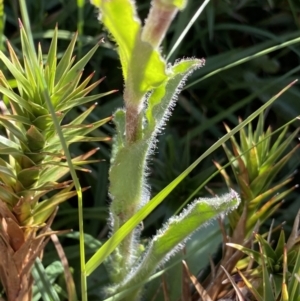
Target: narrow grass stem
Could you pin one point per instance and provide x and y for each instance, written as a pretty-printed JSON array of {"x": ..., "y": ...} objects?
[
  {"x": 187, "y": 28},
  {"x": 2, "y": 24},
  {"x": 77, "y": 186},
  {"x": 26, "y": 22},
  {"x": 245, "y": 59},
  {"x": 80, "y": 23}
]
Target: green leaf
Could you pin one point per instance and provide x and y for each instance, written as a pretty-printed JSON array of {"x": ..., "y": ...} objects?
[
  {"x": 177, "y": 229},
  {"x": 43, "y": 283},
  {"x": 294, "y": 283},
  {"x": 64, "y": 64},
  {"x": 78, "y": 67},
  {"x": 36, "y": 140},
  {"x": 28, "y": 49},
  {"x": 253, "y": 254},
  {"x": 38, "y": 109},
  {"x": 80, "y": 118},
  {"x": 264, "y": 179},
  {"x": 121, "y": 20},
  {"x": 284, "y": 291},
  {"x": 77, "y": 134},
  {"x": 143, "y": 68},
  {"x": 116, "y": 239},
  {"x": 4, "y": 142},
  {"x": 267, "y": 286},
  {"x": 45, "y": 208},
  {"x": 180, "y": 4},
  {"x": 16, "y": 118},
  {"x": 23, "y": 83},
  {"x": 14, "y": 130},
  {"x": 251, "y": 287},
  {"x": 45, "y": 122},
  {"x": 147, "y": 70},
  {"x": 264, "y": 212},
  {"x": 294, "y": 236},
  {"x": 278, "y": 143},
  {"x": 280, "y": 245},
  {"x": 62, "y": 93},
  {"x": 81, "y": 90},
  {"x": 16, "y": 98},
  {"x": 245, "y": 146},
  {"x": 119, "y": 139},
  {"x": 80, "y": 101},
  {"x": 276, "y": 153},
  {"x": 269, "y": 253},
  {"x": 14, "y": 58},
  {"x": 161, "y": 99},
  {"x": 51, "y": 61},
  {"x": 31, "y": 77},
  {"x": 253, "y": 164},
  {"x": 6, "y": 170},
  {"x": 22, "y": 210},
  {"x": 28, "y": 176},
  {"x": 8, "y": 196},
  {"x": 255, "y": 202}
]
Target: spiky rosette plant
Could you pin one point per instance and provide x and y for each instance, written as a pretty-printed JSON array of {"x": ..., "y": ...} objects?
[
  {"x": 32, "y": 161},
  {"x": 256, "y": 160},
  {"x": 273, "y": 272}
]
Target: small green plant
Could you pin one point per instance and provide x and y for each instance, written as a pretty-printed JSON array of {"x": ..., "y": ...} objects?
[
  {"x": 33, "y": 159},
  {"x": 255, "y": 161},
  {"x": 277, "y": 274},
  {"x": 151, "y": 88}
]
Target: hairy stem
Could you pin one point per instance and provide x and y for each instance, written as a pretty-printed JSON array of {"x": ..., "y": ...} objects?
[{"x": 158, "y": 22}]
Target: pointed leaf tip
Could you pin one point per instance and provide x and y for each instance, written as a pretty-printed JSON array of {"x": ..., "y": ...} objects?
[
  {"x": 101, "y": 41},
  {"x": 287, "y": 87},
  {"x": 20, "y": 23}
]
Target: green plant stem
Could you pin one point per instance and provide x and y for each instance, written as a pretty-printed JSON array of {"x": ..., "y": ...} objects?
[
  {"x": 187, "y": 28},
  {"x": 80, "y": 23},
  {"x": 26, "y": 22},
  {"x": 158, "y": 22},
  {"x": 245, "y": 59},
  {"x": 77, "y": 186},
  {"x": 2, "y": 24}
]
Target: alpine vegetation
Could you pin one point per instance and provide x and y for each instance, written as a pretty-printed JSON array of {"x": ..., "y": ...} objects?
[
  {"x": 33, "y": 159},
  {"x": 171, "y": 238},
  {"x": 151, "y": 87}
]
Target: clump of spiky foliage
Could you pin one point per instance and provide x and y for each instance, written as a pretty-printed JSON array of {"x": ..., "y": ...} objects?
[
  {"x": 255, "y": 161},
  {"x": 276, "y": 276},
  {"x": 32, "y": 159}
]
